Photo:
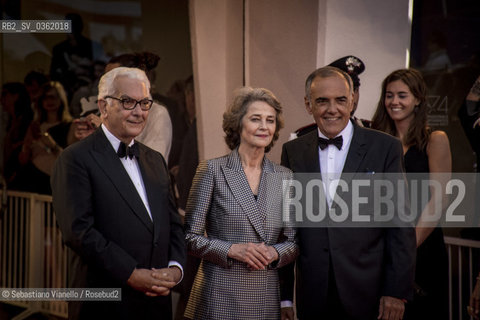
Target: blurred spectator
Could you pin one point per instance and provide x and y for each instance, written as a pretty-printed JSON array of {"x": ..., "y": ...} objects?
[
  {"x": 33, "y": 81},
  {"x": 16, "y": 102},
  {"x": 85, "y": 98},
  {"x": 178, "y": 114},
  {"x": 45, "y": 139},
  {"x": 72, "y": 59},
  {"x": 469, "y": 115},
  {"x": 438, "y": 59},
  {"x": 188, "y": 160},
  {"x": 184, "y": 173}
]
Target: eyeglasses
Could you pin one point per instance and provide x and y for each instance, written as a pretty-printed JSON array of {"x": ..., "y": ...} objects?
[{"x": 130, "y": 103}]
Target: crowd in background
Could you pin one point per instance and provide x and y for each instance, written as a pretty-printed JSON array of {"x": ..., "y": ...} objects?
[{"x": 44, "y": 116}]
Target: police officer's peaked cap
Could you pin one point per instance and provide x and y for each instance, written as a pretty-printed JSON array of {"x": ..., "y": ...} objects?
[{"x": 351, "y": 65}]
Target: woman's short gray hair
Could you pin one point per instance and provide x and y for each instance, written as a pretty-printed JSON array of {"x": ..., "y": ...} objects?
[
  {"x": 106, "y": 86},
  {"x": 232, "y": 118}
]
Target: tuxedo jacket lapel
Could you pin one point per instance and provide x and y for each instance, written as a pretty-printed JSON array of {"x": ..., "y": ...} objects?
[
  {"x": 156, "y": 184},
  {"x": 355, "y": 156},
  {"x": 357, "y": 151},
  {"x": 110, "y": 163},
  {"x": 265, "y": 184},
  {"x": 238, "y": 184},
  {"x": 270, "y": 193},
  {"x": 311, "y": 153}
]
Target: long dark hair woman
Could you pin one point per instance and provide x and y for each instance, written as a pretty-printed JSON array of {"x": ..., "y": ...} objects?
[{"x": 402, "y": 112}]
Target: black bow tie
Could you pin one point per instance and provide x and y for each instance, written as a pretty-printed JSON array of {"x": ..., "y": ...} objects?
[
  {"x": 126, "y": 151},
  {"x": 337, "y": 142}
]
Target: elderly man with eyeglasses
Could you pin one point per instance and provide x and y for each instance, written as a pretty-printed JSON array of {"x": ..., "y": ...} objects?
[
  {"x": 158, "y": 131},
  {"x": 115, "y": 209}
]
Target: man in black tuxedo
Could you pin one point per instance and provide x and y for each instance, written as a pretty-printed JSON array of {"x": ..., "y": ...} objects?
[
  {"x": 346, "y": 273},
  {"x": 115, "y": 209}
]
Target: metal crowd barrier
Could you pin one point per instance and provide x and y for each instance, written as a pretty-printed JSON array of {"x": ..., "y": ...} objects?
[
  {"x": 31, "y": 251},
  {"x": 463, "y": 268},
  {"x": 32, "y": 256}
]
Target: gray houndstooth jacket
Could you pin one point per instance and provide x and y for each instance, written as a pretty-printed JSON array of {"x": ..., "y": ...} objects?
[{"x": 221, "y": 211}]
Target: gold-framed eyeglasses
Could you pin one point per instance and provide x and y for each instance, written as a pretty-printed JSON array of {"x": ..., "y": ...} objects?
[{"x": 130, "y": 103}]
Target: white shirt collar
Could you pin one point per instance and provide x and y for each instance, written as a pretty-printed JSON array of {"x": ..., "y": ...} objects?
[{"x": 114, "y": 141}]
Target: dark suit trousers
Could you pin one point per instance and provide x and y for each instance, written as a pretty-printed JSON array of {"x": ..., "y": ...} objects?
[{"x": 334, "y": 307}]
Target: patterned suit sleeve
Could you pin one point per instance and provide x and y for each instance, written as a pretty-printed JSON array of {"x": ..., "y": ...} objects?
[
  {"x": 287, "y": 246},
  {"x": 196, "y": 219},
  {"x": 400, "y": 243},
  {"x": 287, "y": 250}
]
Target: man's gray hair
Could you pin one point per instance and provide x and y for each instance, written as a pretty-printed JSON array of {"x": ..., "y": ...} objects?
[
  {"x": 106, "y": 86},
  {"x": 326, "y": 72}
]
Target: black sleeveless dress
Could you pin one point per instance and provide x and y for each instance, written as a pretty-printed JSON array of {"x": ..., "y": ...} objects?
[{"x": 431, "y": 274}]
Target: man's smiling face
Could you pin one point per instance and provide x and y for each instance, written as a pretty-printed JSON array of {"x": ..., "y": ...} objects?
[
  {"x": 125, "y": 124},
  {"x": 330, "y": 103}
]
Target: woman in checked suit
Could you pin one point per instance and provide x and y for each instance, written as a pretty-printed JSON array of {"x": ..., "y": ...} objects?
[{"x": 234, "y": 217}]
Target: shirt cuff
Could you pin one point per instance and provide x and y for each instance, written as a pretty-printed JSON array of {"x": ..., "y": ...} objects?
[
  {"x": 173, "y": 263},
  {"x": 286, "y": 304}
]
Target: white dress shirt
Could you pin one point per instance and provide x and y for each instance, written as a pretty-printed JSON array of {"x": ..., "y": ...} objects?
[
  {"x": 332, "y": 161},
  {"x": 133, "y": 170}
]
